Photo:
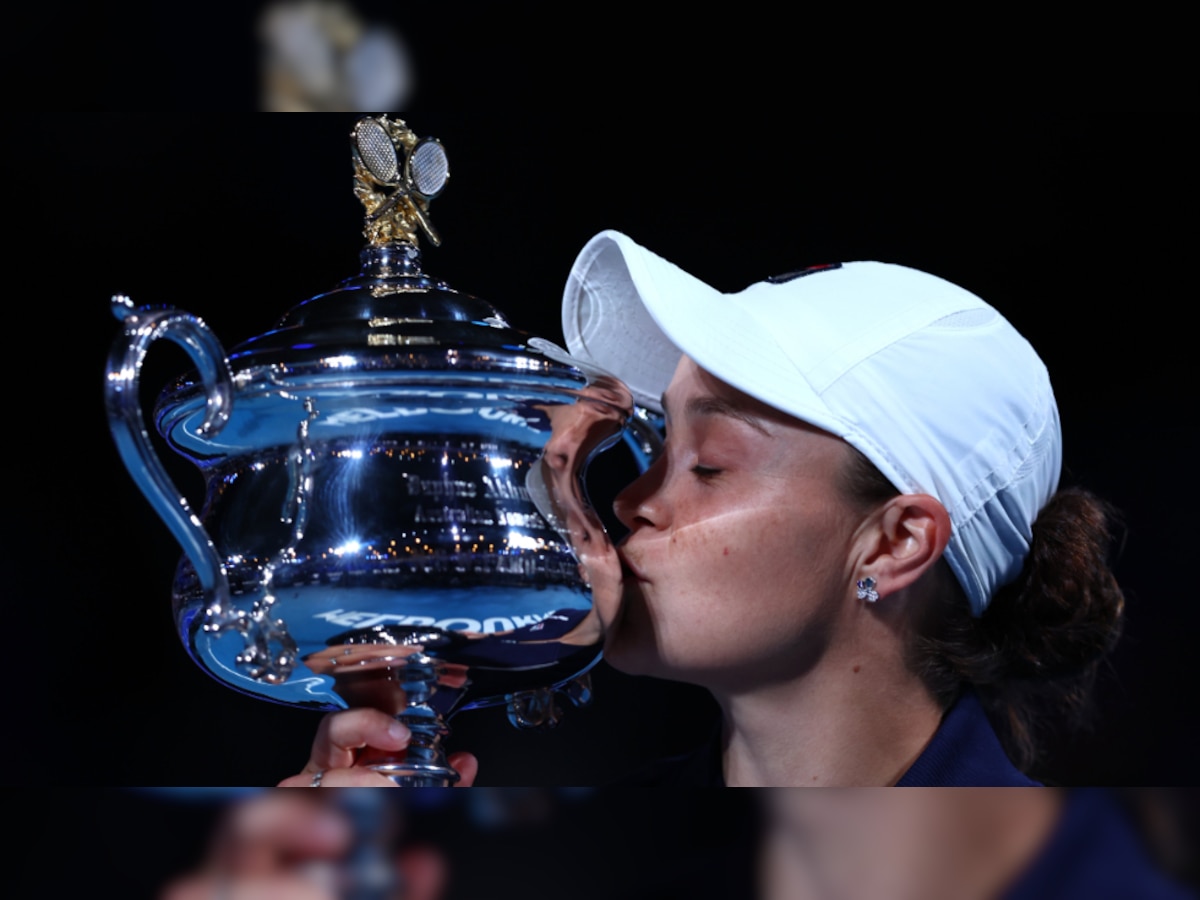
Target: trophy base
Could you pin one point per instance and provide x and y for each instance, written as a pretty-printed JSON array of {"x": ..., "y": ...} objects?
[{"x": 414, "y": 774}]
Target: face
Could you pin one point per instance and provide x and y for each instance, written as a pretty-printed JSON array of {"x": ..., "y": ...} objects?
[{"x": 738, "y": 557}]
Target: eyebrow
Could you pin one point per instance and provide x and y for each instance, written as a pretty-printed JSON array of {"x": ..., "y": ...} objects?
[{"x": 715, "y": 406}]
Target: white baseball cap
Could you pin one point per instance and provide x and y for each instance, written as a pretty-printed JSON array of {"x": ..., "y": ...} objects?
[{"x": 928, "y": 381}]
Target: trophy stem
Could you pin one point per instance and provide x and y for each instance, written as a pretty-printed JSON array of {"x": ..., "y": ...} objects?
[{"x": 424, "y": 763}]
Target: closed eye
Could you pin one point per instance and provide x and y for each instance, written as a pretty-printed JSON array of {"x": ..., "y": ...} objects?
[{"x": 705, "y": 473}]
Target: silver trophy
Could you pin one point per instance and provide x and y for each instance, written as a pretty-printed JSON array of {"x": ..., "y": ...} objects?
[{"x": 395, "y": 513}]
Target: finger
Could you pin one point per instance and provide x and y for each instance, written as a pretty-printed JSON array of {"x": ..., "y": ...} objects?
[
  {"x": 341, "y": 734},
  {"x": 191, "y": 888},
  {"x": 467, "y": 767},
  {"x": 285, "y": 886},
  {"x": 424, "y": 870},
  {"x": 271, "y": 832},
  {"x": 344, "y": 777}
]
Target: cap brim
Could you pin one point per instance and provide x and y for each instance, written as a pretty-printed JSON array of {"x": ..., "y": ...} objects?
[
  {"x": 635, "y": 314},
  {"x": 606, "y": 323}
]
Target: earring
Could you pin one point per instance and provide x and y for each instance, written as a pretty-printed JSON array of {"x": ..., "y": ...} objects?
[{"x": 866, "y": 589}]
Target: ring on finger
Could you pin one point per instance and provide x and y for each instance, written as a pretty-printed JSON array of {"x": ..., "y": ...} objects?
[{"x": 316, "y": 779}]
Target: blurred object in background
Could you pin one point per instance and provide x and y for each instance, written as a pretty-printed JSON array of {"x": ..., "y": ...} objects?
[
  {"x": 426, "y": 843},
  {"x": 1168, "y": 819},
  {"x": 977, "y": 844},
  {"x": 367, "y": 872},
  {"x": 534, "y": 843},
  {"x": 333, "y": 844},
  {"x": 322, "y": 56}
]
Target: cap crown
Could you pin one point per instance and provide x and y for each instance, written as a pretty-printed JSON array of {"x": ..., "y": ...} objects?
[{"x": 928, "y": 381}]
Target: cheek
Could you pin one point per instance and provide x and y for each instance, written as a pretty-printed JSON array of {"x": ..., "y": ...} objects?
[
  {"x": 743, "y": 580},
  {"x": 738, "y": 589},
  {"x": 749, "y": 549},
  {"x": 739, "y": 549}
]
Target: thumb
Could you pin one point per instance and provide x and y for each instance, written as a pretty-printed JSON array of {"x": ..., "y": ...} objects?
[{"x": 467, "y": 767}]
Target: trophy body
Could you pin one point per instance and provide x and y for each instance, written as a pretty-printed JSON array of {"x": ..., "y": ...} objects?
[{"x": 394, "y": 511}]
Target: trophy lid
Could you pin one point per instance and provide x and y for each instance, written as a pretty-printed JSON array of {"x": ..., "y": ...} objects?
[
  {"x": 390, "y": 313},
  {"x": 389, "y": 322}
]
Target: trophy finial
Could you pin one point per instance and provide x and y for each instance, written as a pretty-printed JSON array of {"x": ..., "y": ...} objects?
[{"x": 396, "y": 174}]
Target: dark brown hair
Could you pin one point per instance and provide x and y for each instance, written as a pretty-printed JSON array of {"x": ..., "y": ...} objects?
[{"x": 1034, "y": 654}]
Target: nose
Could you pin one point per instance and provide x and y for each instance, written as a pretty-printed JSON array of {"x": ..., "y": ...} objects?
[{"x": 641, "y": 502}]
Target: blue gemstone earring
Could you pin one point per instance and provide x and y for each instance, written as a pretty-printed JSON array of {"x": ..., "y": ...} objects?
[{"x": 866, "y": 589}]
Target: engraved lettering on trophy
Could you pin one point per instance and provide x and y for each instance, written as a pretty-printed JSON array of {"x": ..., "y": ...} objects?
[
  {"x": 460, "y": 624},
  {"x": 475, "y": 515},
  {"x": 522, "y": 621},
  {"x": 361, "y": 415},
  {"x": 384, "y": 321},
  {"x": 496, "y": 488},
  {"x": 520, "y": 564},
  {"x": 344, "y": 618},
  {"x": 507, "y": 416},
  {"x": 387, "y": 290},
  {"x": 439, "y": 488},
  {"x": 447, "y": 515},
  {"x": 492, "y": 625},
  {"x": 399, "y": 340},
  {"x": 522, "y": 520}
]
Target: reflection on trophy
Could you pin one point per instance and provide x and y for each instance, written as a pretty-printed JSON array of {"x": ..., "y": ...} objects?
[{"x": 394, "y": 513}]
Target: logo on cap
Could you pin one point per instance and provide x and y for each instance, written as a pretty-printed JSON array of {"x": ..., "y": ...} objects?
[{"x": 800, "y": 273}]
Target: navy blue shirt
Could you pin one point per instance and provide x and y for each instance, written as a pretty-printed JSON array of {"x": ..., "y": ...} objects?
[
  {"x": 1094, "y": 853},
  {"x": 964, "y": 752}
]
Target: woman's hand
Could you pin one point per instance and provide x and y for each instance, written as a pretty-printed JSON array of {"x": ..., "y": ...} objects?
[
  {"x": 284, "y": 845},
  {"x": 343, "y": 737}
]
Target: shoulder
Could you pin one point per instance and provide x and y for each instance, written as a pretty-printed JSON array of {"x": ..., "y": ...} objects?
[{"x": 1096, "y": 853}]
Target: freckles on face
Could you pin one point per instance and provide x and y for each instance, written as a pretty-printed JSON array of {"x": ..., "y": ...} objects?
[{"x": 738, "y": 538}]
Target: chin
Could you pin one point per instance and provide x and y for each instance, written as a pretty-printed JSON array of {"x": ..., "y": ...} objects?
[
  {"x": 633, "y": 651},
  {"x": 629, "y": 642},
  {"x": 621, "y": 656}
]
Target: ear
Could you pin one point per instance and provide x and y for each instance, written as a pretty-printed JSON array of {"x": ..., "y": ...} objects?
[{"x": 903, "y": 540}]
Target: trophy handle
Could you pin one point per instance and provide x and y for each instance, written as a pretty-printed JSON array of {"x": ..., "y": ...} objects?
[{"x": 143, "y": 326}]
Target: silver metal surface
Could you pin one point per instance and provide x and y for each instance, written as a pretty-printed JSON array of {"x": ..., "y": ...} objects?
[
  {"x": 376, "y": 150},
  {"x": 428, "y": 168},
  {"x": 394, "y": 513}
]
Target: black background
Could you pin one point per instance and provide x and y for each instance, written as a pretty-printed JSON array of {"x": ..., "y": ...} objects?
[
  {"x": 505, "y": 843},
  {"x": 710, "y": 149}
]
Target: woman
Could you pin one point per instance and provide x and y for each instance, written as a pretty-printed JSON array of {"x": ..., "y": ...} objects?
[{"x": 853, "y": 538}]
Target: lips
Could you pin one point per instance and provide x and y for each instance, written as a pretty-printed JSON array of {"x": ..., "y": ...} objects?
[{"x": 629, "y": 571}]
